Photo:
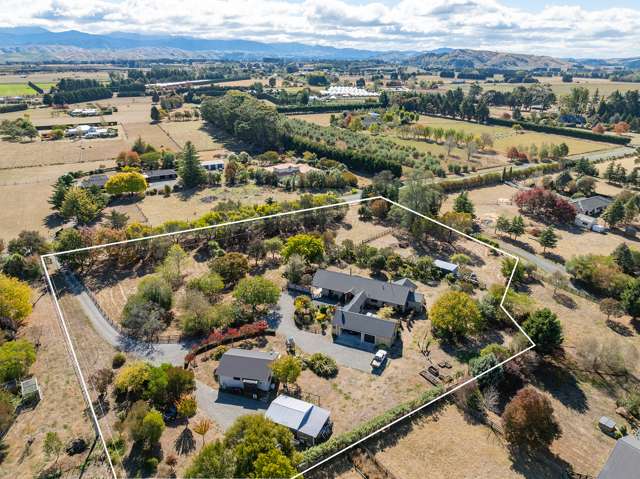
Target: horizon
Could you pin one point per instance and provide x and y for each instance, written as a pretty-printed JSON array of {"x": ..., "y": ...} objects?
[{"x": 560, "y": 29}]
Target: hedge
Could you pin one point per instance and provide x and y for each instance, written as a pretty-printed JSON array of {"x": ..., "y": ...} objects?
[
  {"x": 328, "y": 107},
  {"x": 35, "y": 87},
  {"x": 13, "y": 107},
  {"x": 317, "y": 453},
  {"x": 490, "y": 179},
  {"x": 557, "y": 130}
]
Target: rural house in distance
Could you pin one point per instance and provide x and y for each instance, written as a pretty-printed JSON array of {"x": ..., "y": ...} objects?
[{"x": 308, "y": 422}]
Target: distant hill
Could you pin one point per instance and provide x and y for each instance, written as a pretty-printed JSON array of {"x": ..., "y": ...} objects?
[{"x": 463, "y": 58}]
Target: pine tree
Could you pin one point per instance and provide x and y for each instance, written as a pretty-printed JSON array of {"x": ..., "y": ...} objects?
[
  {"x": 517, "y": 226},
  {"x": 614, "y": 213},
  {"x": 463, "y": 204},
  {"x": 155, "y": 114},
  {"x": 623, "y": 257},
  {"x": 189, "y": 169}
]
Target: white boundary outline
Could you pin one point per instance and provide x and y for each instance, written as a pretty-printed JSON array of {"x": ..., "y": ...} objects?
[{"x": 82, "y": 380}]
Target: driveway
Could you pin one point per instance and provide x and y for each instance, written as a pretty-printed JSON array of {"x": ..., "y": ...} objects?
[{"x": 310, "y": 343}]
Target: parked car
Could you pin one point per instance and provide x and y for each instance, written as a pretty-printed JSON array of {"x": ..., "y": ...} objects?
[{"x": 378, "y": 359}]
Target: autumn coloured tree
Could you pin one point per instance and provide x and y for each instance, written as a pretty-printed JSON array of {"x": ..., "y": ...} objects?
[
  {"x": 309, "y": 247},
  {"x": 15, "y": 302},
  {"x": 454, "y": 315},
  {"x": 546, "y": 205},
  {"x": 528, "y": 420},
  {"x": 126, "y": 183}
]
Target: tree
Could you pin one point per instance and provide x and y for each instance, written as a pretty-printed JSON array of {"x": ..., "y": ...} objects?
[
  {"x": 454, "y": 315},
  {"x": 79, "y": 205},
  {"x": 101, "y": 380},
  {"x": 528, "y": 420},
  {"x": 273, "y": 245},
  {"x": 213, "y": 460},
  {"x": 190, "y": 171},
  {"x": 558, "y": 280},
  {"x": 286, "y": 369},
  {"x": 463, "y": 204},
  {"x": 517, "y": 226},
  {"x": 511, "y": 266},
  {"x": 548, "y": 238},
  {"x": 309, "y": 247},
  {"x": 544, "y": 328},
  {"x": 154, "y": 288},
  {"x": 202, "y": 427},
  {"x": 117, "y": 219},
  {"x": 610, "y": 307},
  {"x": 614, "y": 213},
  {"x": 481, "y": 365},
  {"x": 143, "y": 318},
  {"x": 155, "y": 114},
  {"x": 15, "y": 302},
  {"x": 256, "y": 292},
  {"x": 209, "y": 284},
  {"x": 502, "y": 224},
  {"x": 52, "y": 445},
  {"x": 273, "y": 464},
  {"x": 16, "y": 357},
  {"x": 28, "y": 243},
  {"x": 257, "y": 250},
  {"x": 252, "y": 435},
  {"x": 129, "y": 182},
  {"x": 231, "y": 267},
  {"x": 630, "y": 298},
  {"x": 149, "y": 431},
  {"x": 379, "y": 208},
  {"x": 623, "y": 257}
]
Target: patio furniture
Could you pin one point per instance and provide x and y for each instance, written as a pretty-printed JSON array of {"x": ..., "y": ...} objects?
[{"x": 430, "y": 377}]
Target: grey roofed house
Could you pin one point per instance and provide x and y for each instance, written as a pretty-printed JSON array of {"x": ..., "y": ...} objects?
[
  {"x": 246, "y": 364},
  {"x": 624, "y": 460},
  {"x": 302, "y": 417},
  {"x": 99, "y": 180},
  {"x": 351, "y": 318},
  {"x": 390, "y": 293},
  {"x": 161, "y": 174},
  {"x": 591, "y": 206}
]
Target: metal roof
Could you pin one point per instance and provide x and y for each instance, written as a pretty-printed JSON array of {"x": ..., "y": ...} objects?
[
  {"x": 368, "y": 324},
  {"x": 445, "y": 265},
  {"x": 591, "y": 203},
  {"x": 624, "y": 460},
  {"x": 246, "y": 364},
  {"x": 391, "y": 293},
  {"x": 298, "y": 415},
  {"x": 160, "y": 172}
]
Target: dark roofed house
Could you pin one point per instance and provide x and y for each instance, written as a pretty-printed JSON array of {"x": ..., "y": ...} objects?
[
  {"x": 213, "y": 165},
  {"x": 308, "y": 422},
  {"x": 592, "y": 206},
  {"x": 624, "y": 460},
  {"x": 246, "y": 370},
  {"x": 99, "y": 180},
  {"x": 352, "y": 322},
  {"x": 160, "y": 175}
]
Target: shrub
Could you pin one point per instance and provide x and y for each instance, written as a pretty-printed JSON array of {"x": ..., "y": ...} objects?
[
  {"x": 118, "y": 360},
  {"x": 322, "y": 365},
  {"x": 218, "y": 352},
  {"x": 483, "y": 363}
]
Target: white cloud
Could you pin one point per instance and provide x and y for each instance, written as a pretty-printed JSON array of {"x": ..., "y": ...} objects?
[{"x": 406, "y": 25}]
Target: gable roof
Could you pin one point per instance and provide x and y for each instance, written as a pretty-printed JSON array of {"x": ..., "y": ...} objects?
[
  {"x": 364, "y": 323},
  {"x": 298, "y": 415},
  {"x": 445, "y": 265},
  {"x": 391, "y": 293},
  {"x": 591, "y": 203},
  {"x": 246, "y": 364},
  {"x": 624, "y": 460}
]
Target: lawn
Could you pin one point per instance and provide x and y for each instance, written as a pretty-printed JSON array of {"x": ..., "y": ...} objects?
[{"x": 16, "y": 89}]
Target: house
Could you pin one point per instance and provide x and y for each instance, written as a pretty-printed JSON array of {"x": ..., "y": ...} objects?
[
  {"x": 352, "y": 322},
  {"x": 160, "y": 175},
  {"x": 624, "y": 460},
  {"x": 246, "y": 371},
  {"x": 585, "y": 221},
  {"x": 308, "y": 423},
  {"x": 213, "y": 165},
  {"x": 592, "y": 206},
  {"x": 99, "y": 180},
  {"x": 289, "y": 169}
]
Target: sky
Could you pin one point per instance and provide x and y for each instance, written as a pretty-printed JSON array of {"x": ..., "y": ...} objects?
[{"x": 561, "y": 28}]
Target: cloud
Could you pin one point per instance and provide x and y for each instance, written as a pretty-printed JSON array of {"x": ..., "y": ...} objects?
[{"x": 557, "y": 29}]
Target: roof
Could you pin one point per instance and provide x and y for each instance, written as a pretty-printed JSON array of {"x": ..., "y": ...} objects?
[
  {"x": 99, "y": 179},
  {"x": 298, "y": 415},
  {"x": 246, "y": 364},
  {"x": 364, "y": 323},
  {"x": 591, "y": 203},
  {"x": 161, "y": 172},
  {"x": 444, "y": 265},
  {"x": 212, "y": 162},
  {"x": 391, "y": 293},
  {"x": 623, "y": 461}
]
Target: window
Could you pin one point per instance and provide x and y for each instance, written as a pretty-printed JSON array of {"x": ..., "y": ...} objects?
[{"x": 369, "y": 338}]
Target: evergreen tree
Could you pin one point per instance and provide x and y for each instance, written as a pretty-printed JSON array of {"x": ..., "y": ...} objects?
[
  {"x": 463, "y": 204},
  {"x": 189, "y": 169},
  {"x": 155, "y": 114},
  {"x": 517, "y": 226},
  {"x": 623, "y": 257},
  {"x": 614, "y": 213}
]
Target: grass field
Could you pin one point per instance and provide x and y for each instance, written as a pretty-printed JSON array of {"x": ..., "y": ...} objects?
[{"x": 16, "y": 89}]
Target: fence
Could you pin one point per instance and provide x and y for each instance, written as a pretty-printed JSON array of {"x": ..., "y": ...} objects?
[{"x": 377, "y": 236}]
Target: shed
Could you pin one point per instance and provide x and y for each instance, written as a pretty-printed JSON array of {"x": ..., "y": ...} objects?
[
  {"x": 606, "y": 424},
  {"x": 29, "y": 389},
  {"x": 445, "y": 266},
  {"x": 307, "y": 421}
]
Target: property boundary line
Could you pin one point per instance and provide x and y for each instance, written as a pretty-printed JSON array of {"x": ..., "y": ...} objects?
[{"x": 83, "y": 383}]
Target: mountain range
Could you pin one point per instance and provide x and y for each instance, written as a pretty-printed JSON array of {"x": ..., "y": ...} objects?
[{"x": 35, "y": 44}]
